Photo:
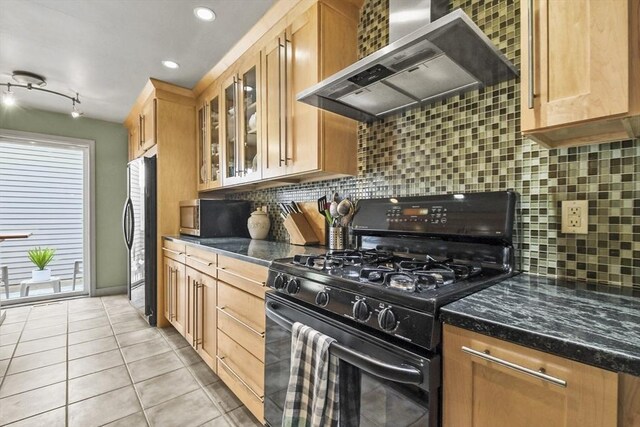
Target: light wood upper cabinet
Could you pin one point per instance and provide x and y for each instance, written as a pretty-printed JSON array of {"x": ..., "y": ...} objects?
[
  {"x": 209, "y": 149},
  {"x": 301, "y": 140},
  {"x": 580, "y": 67},
  {"x": 241, "y": 106},
  {"x": 479, "y": 392},
  {"x": 286, "y": 139},
  {"x": 148, "y": 124}
]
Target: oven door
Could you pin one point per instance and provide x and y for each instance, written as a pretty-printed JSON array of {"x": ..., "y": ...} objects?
[
  {"x": 190, "y": 217},
  {"x": 398, "y": 387}
]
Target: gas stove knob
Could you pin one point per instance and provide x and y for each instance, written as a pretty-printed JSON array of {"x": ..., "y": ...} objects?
[
  {"x": 361, "y": 310},
  {"x": 387, "y": 319},
  {"x": 280, "y": 281},
  {"x": 322, "y": 299},
  {"x": 293, "y": 287}
]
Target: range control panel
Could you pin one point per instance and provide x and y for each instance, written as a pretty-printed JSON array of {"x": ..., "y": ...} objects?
[
  {"x": 432, "y": 215},
  {"x": 484, "y": 215}
]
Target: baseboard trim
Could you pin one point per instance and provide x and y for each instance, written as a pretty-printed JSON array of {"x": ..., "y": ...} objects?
[{"x": 111, "y": 290}]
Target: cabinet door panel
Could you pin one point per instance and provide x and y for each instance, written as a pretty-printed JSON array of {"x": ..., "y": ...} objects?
[
  {"x": 481, "y": 393},
  {"x": 179, "y": 297},
  {"x": 207, "y": 324},
  {"x": 302, "y": 134},
  {"x": 167, "y": 278},
  {"x": 580, "y": 61},
  {"x": 201, "y": 153},
  {"x": 214, "y": 147},
  {"x": 272, "y": 92},
  {"x": 148, "y": 126},
  {"x": 193, "y": 279}
]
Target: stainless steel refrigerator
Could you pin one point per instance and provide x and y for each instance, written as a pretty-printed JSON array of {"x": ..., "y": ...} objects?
[{"x": 139, "y": 227}]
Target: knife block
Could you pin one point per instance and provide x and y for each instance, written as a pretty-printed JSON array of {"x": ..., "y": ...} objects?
[{"x": 300, "y": 232}]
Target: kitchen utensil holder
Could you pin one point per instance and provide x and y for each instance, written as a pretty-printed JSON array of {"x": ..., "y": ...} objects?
[
  {"x": 300, "y": 232},
  {"x": 337, "y": 238}
]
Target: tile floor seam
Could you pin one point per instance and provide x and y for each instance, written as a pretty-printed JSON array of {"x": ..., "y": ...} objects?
[
  {"x": 135, "y": 390},
  {"x": 14, "y": 350}
]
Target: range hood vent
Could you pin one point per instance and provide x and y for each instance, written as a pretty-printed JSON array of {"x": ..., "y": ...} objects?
[{"x": 436, "y": 60}]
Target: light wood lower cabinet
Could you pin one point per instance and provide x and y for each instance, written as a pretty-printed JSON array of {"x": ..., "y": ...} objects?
[
  {"x": 175, "y": 287},
  {"x": 241, "y": 330},
  {"x": 217, "y": 303},
  {"x": 490, "y": 382},
  {"x": 201, "y": 315}
]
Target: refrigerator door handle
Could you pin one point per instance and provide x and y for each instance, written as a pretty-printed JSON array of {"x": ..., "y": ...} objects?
[
  {"x": 127, "y": 223},
  {"x": 132, "y": 220}
]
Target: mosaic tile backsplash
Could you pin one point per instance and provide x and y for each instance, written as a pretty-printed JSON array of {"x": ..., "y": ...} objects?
[{"x": 472, "y": 143}]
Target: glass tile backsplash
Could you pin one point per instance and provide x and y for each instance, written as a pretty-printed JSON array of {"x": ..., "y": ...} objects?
[{"x": 472, "y": 143}]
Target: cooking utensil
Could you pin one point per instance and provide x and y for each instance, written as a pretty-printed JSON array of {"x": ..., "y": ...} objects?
[
  {"x": 345, "y": 207},
  {"x": 322, "y": 204},
  {"x": 333, "y": 209}
]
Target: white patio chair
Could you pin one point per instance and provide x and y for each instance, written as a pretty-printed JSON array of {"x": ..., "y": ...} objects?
[
  {"x": 76, "y": 271},
  {"x": 4, "y": 279}
]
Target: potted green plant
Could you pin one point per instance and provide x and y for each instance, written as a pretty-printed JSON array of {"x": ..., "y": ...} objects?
[{"x": 41, "y": 257}]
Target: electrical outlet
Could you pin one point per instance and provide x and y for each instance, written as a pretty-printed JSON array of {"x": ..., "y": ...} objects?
[{"x": 575, "y": 216}]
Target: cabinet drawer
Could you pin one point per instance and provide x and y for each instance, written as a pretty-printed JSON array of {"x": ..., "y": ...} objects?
[
  {"x": 245, "y": 275},
  {"x": 173, "y": 250},
  {"x": 201, "y": 260},
  {"x": 250, "y": 339},
  {"x": 240, "y": 389},
  {"x": 246, "y": 366},
  {"x": 484, "y": 378}
]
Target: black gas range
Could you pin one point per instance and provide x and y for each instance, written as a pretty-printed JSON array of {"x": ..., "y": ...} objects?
[
  {"x": 416, "y": 254},
  {"x": 381, "y": 301}
]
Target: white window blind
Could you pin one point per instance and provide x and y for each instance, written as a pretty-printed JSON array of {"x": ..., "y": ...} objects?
[{"x": 41, "y": 191}]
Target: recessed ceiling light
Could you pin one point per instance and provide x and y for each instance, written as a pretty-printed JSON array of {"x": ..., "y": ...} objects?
[
  {"x": 204, "y": 13},
  {"x": 170, "y": 64}
]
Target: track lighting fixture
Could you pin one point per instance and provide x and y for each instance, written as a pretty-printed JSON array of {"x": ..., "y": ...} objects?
[{"x": 32, "y": 81}]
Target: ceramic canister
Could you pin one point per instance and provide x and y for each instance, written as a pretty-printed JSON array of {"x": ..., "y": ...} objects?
[{"x": 258, "y": 225}]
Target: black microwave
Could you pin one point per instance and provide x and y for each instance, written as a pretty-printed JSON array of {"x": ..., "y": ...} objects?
[{"x": 214, "y": 218}]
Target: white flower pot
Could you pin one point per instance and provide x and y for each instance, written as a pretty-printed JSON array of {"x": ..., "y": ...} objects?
[{"x": 41, "y": 275}]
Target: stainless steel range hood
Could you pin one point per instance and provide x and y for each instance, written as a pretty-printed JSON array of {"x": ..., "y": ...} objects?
[{"x": 446, "y": 56}]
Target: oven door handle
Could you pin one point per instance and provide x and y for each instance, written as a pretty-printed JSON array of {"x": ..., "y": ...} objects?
[{"x": 405, "y": 374}]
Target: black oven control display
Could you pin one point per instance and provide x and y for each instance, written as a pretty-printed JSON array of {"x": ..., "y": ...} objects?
[{"x": 470, "y": 215}]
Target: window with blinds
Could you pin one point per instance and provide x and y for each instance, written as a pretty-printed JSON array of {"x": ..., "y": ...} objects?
[{"x": 42, "y": 191}]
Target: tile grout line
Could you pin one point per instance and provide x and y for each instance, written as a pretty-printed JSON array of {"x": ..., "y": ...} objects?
[
  {"x": 15, "y": 348},
  {"x": 135, "y": 390},
  {"x": 26, "y": 391}
]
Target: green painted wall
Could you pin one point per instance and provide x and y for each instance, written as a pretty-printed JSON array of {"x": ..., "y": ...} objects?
[{"x": 110, "y": 177}]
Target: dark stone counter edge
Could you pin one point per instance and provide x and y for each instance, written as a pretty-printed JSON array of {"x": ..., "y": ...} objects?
[
  {"x": 230, "y": 254},
  {"x": 594, "y": 356}
]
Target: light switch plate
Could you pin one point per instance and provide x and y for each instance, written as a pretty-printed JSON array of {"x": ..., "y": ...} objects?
[{"x": 575, "y": 216}]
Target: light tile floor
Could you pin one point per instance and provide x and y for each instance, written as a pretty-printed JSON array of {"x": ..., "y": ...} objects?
[{"x": 93, "y": 362}]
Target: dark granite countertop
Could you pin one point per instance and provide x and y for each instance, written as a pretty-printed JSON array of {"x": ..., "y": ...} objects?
[
  {"x": 257, "y": 251},
  {"x": 596, "y": 325}
]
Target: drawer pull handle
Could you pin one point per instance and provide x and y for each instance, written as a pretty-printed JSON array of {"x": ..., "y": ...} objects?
[
  {"x": 247, "y": 386},
  {"x": 199, "y": 261},
  {"x": 242, "y": 277},
  {"x": 172, "y": 251},
  {"x": 536, "y": 374},
  {"x": 222, "y": 310}
]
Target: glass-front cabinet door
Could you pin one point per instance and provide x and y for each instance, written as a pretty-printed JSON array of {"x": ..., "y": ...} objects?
[
  {"x": 214, "y": 150},
  {"x": 202, "y": 148},
  {"x": 230, "y": 98},
  {"x": 250, "y": 122},
  {"x": 241, "y": 143}
]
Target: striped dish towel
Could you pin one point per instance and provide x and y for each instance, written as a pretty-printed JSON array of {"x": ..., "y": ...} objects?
[{"x": 313, "y": 392}]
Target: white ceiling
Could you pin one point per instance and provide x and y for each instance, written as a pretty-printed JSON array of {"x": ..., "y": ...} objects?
[{"x": 107, "y": 49}]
